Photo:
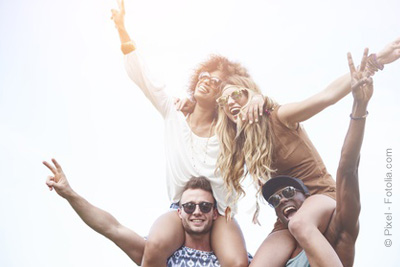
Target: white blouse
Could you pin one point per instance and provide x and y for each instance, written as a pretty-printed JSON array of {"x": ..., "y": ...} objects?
[{"x": 187, "y": 154}]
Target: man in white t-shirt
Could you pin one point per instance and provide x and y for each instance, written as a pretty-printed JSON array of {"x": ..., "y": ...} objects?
[{"x": 197, "y": 210}]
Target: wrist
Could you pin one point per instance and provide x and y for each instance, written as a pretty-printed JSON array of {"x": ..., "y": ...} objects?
[
  {"x": 120, "y": 26},
  {"x": 69, "y": 194},
  {"x": 359, "y": 109}
]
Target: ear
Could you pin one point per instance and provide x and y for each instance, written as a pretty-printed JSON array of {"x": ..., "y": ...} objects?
[
  {"x": 180, "y": 213},
  {"x": 215, "y": 214}
]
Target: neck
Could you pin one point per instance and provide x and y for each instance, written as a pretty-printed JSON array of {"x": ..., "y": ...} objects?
[
  {"x": 200, "y": 242},
  {"x": 203, "y": 114},
  {"x": 202, "y": 121}
]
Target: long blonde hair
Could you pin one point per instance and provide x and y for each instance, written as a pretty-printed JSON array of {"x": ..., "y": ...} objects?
[{"x": 245, "y": 144}]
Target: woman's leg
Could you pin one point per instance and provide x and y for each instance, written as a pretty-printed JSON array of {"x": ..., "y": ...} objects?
[
  {"x": 276, "y": 250},
  {"x": 228, "y": 243},
  {"x": 165, "y": 237},
  {"x": 308, "y": 225}
]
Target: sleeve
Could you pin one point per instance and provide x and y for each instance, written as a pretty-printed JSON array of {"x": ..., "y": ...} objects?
[{"x": 154, "y": 91}]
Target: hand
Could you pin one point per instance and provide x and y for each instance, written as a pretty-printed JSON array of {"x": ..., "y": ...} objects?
[
  {"x": 253, "y": 109},
  {"x": 59, "y": 182},
  {"x": 389, "y": 53},
  {"x": 118, "y": 15},
  {"x": 361, "y": 87},
  {"x": 185, "y": 105}
]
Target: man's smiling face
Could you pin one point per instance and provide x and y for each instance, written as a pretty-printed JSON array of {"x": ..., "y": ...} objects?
[
  {"x": 198, "y": 222},
  {"x": 288, "y": 207}
]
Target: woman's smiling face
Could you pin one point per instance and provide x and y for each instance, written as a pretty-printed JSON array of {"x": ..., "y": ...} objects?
[{"x": 232, "y": 100}]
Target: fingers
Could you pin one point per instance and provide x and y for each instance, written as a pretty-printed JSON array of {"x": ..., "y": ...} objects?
[
  {"x": 50, "y": 182},
  {"x": 122, "y": 6},
  {"x": 51, "y": 168},
  {"x": 255, "y": 113},
  {"x": 351, "y": 64},
  {"x": 364, "y": 60},
  {"x": 396, "y": 42},
  {"x": 250, "y": 114},
  {"x": 113, "y": 13},
  {"x": 58, "y": 167},
  {"x": 362, "y": 82},
  {"x": 260, "y": 108}
]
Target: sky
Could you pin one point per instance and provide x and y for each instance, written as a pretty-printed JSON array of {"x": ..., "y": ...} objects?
[{"x": 64, "y": 93}]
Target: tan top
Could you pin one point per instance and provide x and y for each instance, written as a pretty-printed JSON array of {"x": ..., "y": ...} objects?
[{"x": 296, "y": 156}]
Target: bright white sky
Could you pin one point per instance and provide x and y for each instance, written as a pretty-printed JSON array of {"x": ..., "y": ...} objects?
[{"x": 64, "y": 93}]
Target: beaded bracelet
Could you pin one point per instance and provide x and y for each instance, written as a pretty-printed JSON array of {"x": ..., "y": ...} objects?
[
  {"x": 359, "y": 118},
  {"x": 127, "y": 47},
  {"x": 373, "y": 61}
]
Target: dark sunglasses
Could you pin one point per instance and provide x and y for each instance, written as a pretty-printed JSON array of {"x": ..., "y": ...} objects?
[
  {"x": 190, "y": 207},
  {"x": 214, "y": 81},
  {"x": 287, "y": 192}
]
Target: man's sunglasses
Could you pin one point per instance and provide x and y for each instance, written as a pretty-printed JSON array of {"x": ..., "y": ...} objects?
[
  {"x": 190, "y": 207},
  {"x": 287, "y": 192},
  {"x": 214, "y": 81}
]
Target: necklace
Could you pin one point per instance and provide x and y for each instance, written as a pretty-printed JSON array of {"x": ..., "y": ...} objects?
[{"x": 205, "y": 148}]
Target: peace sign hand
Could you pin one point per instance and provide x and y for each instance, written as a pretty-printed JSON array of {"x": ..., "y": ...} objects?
[
  {"x": 118, "y": 15},
  {"x": 361, "y": 86},
  {"x": 58, "y": 181}
]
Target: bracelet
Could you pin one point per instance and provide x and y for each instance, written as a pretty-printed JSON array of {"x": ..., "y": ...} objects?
[
  {"x": 127, "y": 47},
  {"x": 374, "y": 62},
  {"x": 359, "y": 118}
]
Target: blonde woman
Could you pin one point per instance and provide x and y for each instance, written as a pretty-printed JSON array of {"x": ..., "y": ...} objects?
[{"x": 278, "y": 145}]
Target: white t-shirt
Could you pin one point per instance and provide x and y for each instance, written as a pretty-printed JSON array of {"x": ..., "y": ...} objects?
[{"x": 187, "y": 154}]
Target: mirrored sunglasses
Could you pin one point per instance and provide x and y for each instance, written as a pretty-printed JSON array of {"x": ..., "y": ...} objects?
[
  {"x": 190, "y": 207},
  {"x": 287, "y": 192},
  {"x": 235, "y": 95}
]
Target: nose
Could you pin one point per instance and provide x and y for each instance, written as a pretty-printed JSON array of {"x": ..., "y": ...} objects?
[
  {"x": 283, "y": 200},
  {"x": 197, "y": 210},
  {"x": 231, "y": 101},
  {"x": 206, "y": 80}
]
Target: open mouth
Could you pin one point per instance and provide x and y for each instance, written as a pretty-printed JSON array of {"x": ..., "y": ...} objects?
[
  {"x": 288, "y": 212},
  {"x": 235, "y": 111},
  {"x": 203, "y": 89}
]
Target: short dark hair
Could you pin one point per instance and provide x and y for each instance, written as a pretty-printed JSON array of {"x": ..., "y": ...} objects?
[
  {"x": 199, "y": 182},
  {"x": 213, "y": 63}
]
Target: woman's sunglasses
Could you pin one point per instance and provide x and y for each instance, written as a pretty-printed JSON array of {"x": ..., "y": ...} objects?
[
  {"x": 235, "y": 95},
  {"x": 190, "y": 207},
  {"x": 214, "y": 81},
  {"x": 287, "y": 192}
]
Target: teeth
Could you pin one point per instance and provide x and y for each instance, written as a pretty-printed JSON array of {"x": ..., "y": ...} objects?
[
  {"x": 288, "y": 209},
  {"x": 202, "y": 88}
]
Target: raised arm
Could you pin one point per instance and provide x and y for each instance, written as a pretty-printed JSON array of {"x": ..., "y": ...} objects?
[
  {"x": 99, "y": 220},
  {"x": 293, "y": 113},
  {"x": 348, "y": 193},
  {"x": 135, "y": 66}
]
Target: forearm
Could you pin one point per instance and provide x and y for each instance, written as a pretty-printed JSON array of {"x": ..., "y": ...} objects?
[
  {"x": 97, "y": 219},
  {"x": 348, "y": 192},
  {"x": 293, "y": 113},
  {"x": 352, "y": 145},
  {"x": 337, "y": 89},
  {"x": 123, "y": 34}
]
